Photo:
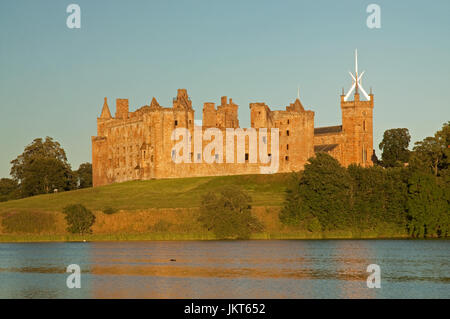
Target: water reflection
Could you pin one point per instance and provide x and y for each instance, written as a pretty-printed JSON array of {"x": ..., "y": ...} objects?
[{"x": 227, "y": 269}]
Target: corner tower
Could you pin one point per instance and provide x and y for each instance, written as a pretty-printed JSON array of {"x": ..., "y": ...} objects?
[{"x": 357, "y": 122}]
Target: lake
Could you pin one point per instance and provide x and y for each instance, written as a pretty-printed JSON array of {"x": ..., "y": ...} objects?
[{"x": 227, "y": 269}]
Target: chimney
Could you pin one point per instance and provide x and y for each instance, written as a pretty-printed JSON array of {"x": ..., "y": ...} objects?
[{"x": 122, "y": 108}]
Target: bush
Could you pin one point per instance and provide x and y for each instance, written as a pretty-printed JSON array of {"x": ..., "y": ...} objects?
[
  {"x": 110, "y": 211},
  {"x": 28, "y": 222},
  {"x": 322, "y": 191},
  {"x": 79, "y": 219},
  {"x": 228, "y": 214},
  {"x": 314, "y": 225}
]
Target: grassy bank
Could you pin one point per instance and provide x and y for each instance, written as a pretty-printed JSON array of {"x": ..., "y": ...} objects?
[
  {"x": 265, "y": 190},
  {"x": 150, "y": 210}
]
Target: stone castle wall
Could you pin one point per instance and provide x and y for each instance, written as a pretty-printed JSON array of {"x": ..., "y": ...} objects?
[{"x": 138, "y": 145}]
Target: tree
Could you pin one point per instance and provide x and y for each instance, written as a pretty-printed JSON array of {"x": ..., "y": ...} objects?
[
  {"x": 291, "y": 214},
  {"x": 379, "y": 196},
  {"x": 84, "y": 175},
  {"x": 79, "y": 219},
  {"x": 427, "y": 207},
  {"x": 432, "y": 154},
  {"x": 41, "y": 168},
  {"x": 395, "y": 147},
  {"x": 44, "y": 175},
  {"x": 228, "y": 214},
  {"x": 8, "y": 189},
  {"x": 326, "y": 192}
]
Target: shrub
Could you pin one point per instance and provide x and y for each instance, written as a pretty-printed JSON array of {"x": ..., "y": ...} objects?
[
  {"x": 228, "y": 214},
  {"x": 79, "y": 219},
  {"x": 28, "y": 222},
  {"x": 110, "y": 211},
  {"x": 314, "y": 225}
]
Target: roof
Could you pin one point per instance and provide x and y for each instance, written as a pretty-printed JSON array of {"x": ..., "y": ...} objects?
[
  {"x": 324, "y": 148},
  {"x": 328, "y": 129}
]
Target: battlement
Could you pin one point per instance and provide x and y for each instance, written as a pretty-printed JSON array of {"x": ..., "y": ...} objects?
[{"x": 138, "y": 144}]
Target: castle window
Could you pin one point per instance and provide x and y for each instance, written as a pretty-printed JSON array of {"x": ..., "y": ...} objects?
[
  {"x": 288, "y": 122},
  {"x": 151, "y": 158},
  {"x": 264, "y": 138},
  {"x": 364, "y": 126},
  {"x": 287, "y": 132},
  {"x": 176, "y": 123},
  {"x": 216, "y": 157},
  {"x": 286, "y": 158},
  {"x": 199, "y": 156},
  {"x": 287, "y": 146},
  {"x": 246, "y": 156},
  {"x": 144, "y": 154}
]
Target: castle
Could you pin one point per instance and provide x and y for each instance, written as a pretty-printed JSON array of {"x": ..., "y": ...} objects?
[{"x": 139, "y": 145}]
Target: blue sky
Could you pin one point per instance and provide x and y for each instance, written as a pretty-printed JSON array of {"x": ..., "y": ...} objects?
[{"x": 53, "y": 79}]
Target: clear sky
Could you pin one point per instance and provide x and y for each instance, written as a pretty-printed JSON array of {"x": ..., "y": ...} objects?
[{"x": 53, "y": 79}]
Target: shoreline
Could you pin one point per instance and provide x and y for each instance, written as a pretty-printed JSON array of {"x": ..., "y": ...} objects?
[{"x": 34, "y": 238}]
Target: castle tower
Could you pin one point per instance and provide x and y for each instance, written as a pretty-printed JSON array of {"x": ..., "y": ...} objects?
[{"x": 357, "y": 122}]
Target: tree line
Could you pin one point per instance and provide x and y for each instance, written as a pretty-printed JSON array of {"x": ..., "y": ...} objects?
[
  {"x": 41, "y": 169},
  {"x": 405, "y": 191}
]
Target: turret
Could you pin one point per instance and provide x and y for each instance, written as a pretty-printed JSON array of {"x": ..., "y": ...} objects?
[{"x": 106, "y": 114}]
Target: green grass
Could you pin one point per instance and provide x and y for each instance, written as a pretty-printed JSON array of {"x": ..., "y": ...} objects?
[
  {"x": 150, "y": 205},
  {"x": 265, "y": 190},
  {"x": 190, "y": 236}
]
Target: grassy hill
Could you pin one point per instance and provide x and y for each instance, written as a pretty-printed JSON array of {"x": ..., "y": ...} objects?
[
  {"x": 155, "y": 210},
  {"x": 265, "y": 190}
]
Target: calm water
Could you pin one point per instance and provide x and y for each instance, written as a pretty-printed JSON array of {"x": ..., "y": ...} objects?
[{"x": 222, "y": 269}]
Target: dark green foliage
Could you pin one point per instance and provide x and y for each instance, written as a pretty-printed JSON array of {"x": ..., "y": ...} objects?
[
  {"x": 379, "y": 196},
  {"x": 8, "y": 189},
  {"x": 79, "y": 219},
  {"x": 433, "y": 153},
  {"x": 84, "y": 175},
  {"x": 109, "y": 210},
  {"x": 228, "y": 214},
  {"x": 42, "y": 168},
  {"x": 45, "y": 175},
  {"x": 402, "y": 199},
  {"x": 395, "y": 147},
  {"x": 428, "y": 208},
  {"x": 326, "y": 192},
  {"x": 28, "y": 222},
  {"x": 291, "y": 212}
]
